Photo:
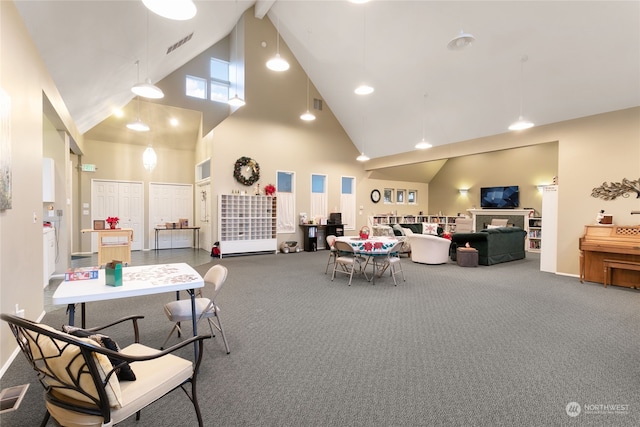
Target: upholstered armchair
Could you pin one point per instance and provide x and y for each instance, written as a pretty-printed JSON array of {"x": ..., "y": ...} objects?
[{"x": 429, "y": 249}]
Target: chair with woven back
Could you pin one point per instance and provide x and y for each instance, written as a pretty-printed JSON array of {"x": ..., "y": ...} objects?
[{"x": 80, "y": 376}]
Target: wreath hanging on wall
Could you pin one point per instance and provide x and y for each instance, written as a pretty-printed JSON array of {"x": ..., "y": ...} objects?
[{"x": 246, "y": 171}]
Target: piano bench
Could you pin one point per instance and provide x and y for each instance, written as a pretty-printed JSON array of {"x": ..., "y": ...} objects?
[{"x": 610, "y": 264}]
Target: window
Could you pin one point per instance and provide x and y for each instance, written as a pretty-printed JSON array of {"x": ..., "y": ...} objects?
[
  {"x": 318, "y": 196},
  {"x": 400, "y": 197},
  {"x": 196, "y": 87},
  {"x": 412, "y": 197},
  {"x": 203, "y": 170},
  {"x": 286, "y": 207},
  {"x": 217, "y": 82},
  {"x": 348, "y": 202},
  {"x": 219, "y": 74}
]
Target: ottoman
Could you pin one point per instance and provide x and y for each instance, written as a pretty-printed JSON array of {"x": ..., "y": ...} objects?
[{"x": 467, "y": 257}]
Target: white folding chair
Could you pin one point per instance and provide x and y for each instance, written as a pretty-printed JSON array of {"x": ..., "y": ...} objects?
[
  {"x": 206, "y": 308},
  {"x": 391, "y": 262},
  {"x": 333, "y": 254},
  {"x": 347, "y": 260}
]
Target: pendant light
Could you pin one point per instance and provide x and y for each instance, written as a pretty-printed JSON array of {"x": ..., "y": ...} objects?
[
  {"x": 277, "y": 63},
  {"x": 521, "y": 123},
  {"x": 149, "y": 158},
  {"x": 146, "y": 89},
  {"x": 364, "y": 88},
  {"x": 363, "y": 157},
  {"x": 461, "y": 41},
  {"x": 138, "y": 125},
  {"x": 178, "y": 10},
  {"x": 308, "y": 115},
  {"x": 423, "y": 144},
  {"x": 236, "y": 101}
]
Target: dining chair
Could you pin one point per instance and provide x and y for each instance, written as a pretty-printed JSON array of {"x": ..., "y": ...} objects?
[
  {"x": 391, "y": 262},
  {"x": 206, "y": 308},
  {"x": 347, "y": 260},
  {"x": 333, "y": 253}
]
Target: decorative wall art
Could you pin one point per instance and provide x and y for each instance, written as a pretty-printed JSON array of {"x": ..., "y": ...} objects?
[
  {"x": 246, "y": 171},
  {"x": 5, "y": 150},
  {"x": 617, "y": 189}
]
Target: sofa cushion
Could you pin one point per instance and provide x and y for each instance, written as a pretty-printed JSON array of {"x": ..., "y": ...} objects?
[
  {"x": 430, "y": 228},
  {"x": 399, "y": 231}
]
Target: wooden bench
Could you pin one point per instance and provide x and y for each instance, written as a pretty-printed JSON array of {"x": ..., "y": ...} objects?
[{"x": 610, "y": 264}]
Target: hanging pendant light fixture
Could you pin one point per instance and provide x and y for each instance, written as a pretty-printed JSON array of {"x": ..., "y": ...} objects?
[
  {"x": 149, "y": 158},
  {"x": 423, "y": 144},
  {"x": 461, "y": 41},
  {"x": 364, "y": 88},
  {"x": 521, "y": 123},
  {"x": 178, "y": 10},
  {"x": 146, "y": 89},
  {"x": 363, "y": 157},
  {"x": 236, "y": 101},
  {"x": 138, "y": 125},
  {"x": 277, "y": 63},
  {"x": 308, "y": 116}
]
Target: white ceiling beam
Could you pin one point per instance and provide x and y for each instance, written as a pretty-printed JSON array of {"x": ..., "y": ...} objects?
[{"x": 262, "y": 7}]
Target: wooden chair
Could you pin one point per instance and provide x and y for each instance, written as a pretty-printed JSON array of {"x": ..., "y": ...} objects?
[{"x": 80, "y": 376}]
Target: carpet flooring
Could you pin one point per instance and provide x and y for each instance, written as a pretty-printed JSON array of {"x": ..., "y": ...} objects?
[{"x": 504, "y": 345}]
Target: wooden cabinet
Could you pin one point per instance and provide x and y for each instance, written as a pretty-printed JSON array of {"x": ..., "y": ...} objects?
[
  {"x": 246, "y": 224},
  {"x": 113, "y": 245}
]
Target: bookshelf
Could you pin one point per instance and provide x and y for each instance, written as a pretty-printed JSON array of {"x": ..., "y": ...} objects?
[
  {"x": 535, "y": 234},
  {"x": 447, "y": 223},
  {"x": 246, "y": 224}
]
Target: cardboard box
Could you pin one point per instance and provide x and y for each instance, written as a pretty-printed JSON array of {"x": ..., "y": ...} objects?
[
  {"x": 170, "y": 225},
  {"x": 184, "y": 222},
  {"x": 82, "y": 273}
]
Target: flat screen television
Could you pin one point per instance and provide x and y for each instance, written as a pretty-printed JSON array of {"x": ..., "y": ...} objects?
[{"x": 499, "y": 197}]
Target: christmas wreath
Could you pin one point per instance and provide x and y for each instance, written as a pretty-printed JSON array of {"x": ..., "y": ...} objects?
[{"x": 246, "y": 164}]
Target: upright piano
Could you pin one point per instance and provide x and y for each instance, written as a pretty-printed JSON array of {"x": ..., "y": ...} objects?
[{"x": 619, "y": 243}]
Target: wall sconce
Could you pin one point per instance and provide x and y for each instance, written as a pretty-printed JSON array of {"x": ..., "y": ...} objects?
[{"x": 463, "y": 191}]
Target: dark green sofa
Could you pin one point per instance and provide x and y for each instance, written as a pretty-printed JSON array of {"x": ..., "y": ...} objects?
[{"x": 494, "y": 245}]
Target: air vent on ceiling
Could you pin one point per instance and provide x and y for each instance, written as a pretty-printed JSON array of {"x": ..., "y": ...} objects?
[
  {"x": 317, "y": 104},
  {"x": 179, "y": 43}
]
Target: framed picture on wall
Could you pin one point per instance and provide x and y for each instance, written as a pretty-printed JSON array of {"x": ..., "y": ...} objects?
[
  {"x": 388, "y": 195},
  {"x": 400, "y": 197}
]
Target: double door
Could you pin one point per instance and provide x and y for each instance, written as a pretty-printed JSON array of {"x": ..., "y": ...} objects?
[
  {"x": 122, "y": 199},
  {"x": 170, "y": 203}
]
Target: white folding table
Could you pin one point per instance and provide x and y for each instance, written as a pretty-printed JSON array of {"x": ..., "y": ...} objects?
[{"x": 136, "y": 281}]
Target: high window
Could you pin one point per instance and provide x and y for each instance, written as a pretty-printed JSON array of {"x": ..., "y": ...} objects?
[{"x": 215, "y": 87}]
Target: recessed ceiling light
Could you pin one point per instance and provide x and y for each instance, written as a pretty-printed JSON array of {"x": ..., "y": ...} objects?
[
  {"x": 117, "y": 112},
  {"x": 173, "y": 121},
  {"x": 364, "y": 89}
]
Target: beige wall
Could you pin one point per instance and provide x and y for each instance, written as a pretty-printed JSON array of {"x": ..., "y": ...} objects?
[
  {"x": 269, "y": 130},
  {"x": 525, "y": 167},
  {"x": 591, "y": 150},
  {"x": 24, "y": 79}
]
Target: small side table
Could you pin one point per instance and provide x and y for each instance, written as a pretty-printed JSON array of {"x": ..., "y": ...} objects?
[{"x": 467, "y": 257}]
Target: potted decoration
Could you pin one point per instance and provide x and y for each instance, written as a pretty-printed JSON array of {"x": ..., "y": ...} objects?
[{"x": 113, "y": 221}]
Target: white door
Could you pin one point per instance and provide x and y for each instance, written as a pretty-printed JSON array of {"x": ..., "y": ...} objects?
[
  {"x": 169, "y": 203},
  {"x": 122, "y": 199},
  {"x": 204, "y": 218}
]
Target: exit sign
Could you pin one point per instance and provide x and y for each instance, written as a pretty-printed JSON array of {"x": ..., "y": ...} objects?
[{"x": 88, "y": 168}]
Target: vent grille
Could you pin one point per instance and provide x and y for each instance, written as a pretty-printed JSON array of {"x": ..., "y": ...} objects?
[
  {"x": 317, "y": 104},
  {"x": 179, "y": 43}
]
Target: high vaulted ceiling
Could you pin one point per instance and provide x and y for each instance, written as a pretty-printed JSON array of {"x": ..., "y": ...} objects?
[{"x": 583, "y": 59}]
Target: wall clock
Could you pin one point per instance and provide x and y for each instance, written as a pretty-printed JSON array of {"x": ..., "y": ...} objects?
[{"x": 375, "y": 196}]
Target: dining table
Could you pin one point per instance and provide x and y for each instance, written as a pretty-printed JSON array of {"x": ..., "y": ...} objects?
[{"x": 372, "y": 247}]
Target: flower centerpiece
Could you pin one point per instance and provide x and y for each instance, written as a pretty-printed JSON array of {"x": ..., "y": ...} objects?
[
  {"x": 269, "y": 189},
  {"x": 113, "y": 221}
]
